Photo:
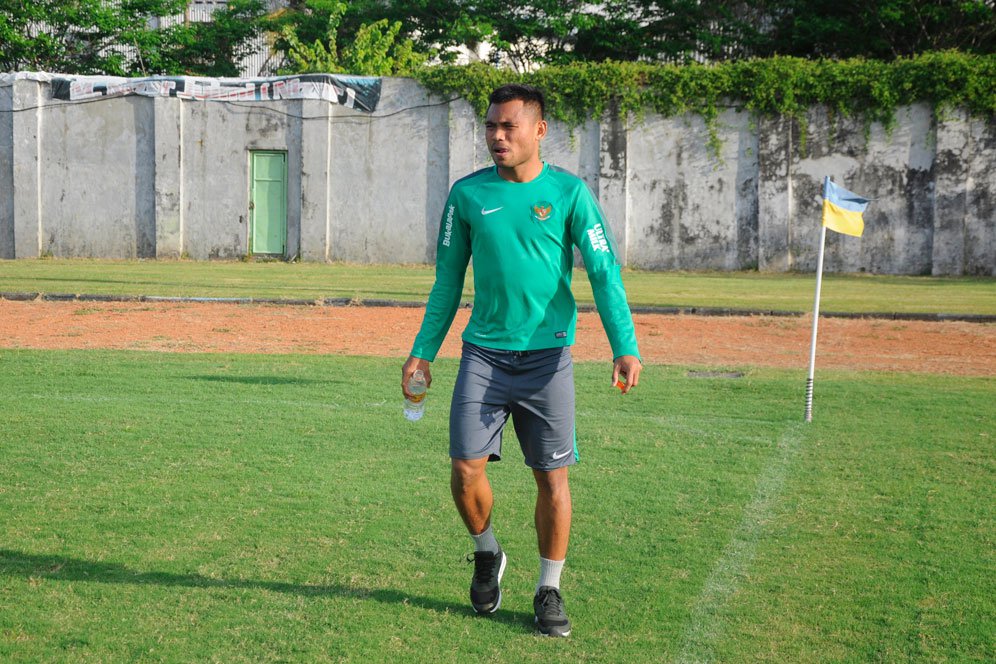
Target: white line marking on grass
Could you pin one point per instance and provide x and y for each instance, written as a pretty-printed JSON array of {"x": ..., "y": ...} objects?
[{"x": 707, "y": 623}]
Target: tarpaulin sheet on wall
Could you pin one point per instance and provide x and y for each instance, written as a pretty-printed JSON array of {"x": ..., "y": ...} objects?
[{"x": 359, "y": 92}]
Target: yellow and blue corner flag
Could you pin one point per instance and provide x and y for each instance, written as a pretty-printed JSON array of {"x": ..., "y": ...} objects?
[{"x": 842, "y": 209}]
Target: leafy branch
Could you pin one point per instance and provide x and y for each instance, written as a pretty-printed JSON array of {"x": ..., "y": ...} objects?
[{"x": 778, "y": 86}]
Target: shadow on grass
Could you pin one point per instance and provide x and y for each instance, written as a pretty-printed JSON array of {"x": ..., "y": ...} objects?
[{"x": 62, "y": 568}]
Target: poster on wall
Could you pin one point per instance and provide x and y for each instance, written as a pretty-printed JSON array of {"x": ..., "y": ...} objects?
[{"x": 359, "y": 92}]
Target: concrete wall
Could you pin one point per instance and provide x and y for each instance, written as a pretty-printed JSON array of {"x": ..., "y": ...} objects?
[
  {"x": 163, "y": 177},
  {"x": 6, "y": 172},
  {"x": 690, "y": 209}
]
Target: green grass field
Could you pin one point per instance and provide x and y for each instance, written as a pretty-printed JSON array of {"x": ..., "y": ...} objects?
[
  {"x": 240, "y": 508},
  {"x": 313, "y": 281}
]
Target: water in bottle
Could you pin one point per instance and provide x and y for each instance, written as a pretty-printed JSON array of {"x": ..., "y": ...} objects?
[{"x": 415, "y": 405}]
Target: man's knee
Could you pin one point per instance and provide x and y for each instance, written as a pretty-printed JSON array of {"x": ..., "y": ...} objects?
[
  {"x": 467, "y": 472},
  {"x": 552, "y": 482}
]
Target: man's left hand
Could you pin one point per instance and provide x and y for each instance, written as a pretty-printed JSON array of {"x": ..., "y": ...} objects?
[{"x": 628, "y": 367}]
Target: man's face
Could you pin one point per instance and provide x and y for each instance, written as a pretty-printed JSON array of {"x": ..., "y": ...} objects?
[{"x": 513, "y": 131}]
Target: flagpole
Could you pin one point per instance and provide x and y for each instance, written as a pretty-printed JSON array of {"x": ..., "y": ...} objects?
[{"x": 816, "y": 320}]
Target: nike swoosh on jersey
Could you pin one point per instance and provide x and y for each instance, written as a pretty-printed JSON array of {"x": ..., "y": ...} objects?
[{"x": 487, "y": 212}]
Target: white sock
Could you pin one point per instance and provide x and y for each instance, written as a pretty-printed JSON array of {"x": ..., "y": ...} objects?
[
  {"x": 550, "y": 573},
  {"x": 486, "y": 541}
]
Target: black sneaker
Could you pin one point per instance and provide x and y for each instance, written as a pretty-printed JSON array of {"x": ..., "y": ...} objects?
[
  {"x": 485, "y": 593},
  {"x": 549, "y": 608}
]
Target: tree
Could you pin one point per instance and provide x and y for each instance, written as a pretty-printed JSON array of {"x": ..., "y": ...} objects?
[
  {"x": 115, "y": 37},
  {"x": 674, "y": 31},
  {"x": 371, "y": 49},
  {"x": 882, "y": 29},
  {"x": 211, "y": 48},
  {"x": 538, "y": 32},
  {"x": 81, "y": 37}
]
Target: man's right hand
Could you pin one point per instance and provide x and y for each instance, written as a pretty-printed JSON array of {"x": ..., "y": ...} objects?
[{"x": 409, "y": 368}]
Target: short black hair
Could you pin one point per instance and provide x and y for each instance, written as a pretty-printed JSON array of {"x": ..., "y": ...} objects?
[{"x": 528, "y": 94}]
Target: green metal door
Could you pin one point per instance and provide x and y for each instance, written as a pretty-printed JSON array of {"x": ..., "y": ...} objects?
[{"x": 268, "y": 202}]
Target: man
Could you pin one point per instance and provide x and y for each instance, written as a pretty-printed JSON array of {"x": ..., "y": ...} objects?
[{"x": 520, "y": 221}]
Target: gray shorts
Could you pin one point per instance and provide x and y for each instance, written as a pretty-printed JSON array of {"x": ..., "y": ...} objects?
[{"x": 535, "y": 387}]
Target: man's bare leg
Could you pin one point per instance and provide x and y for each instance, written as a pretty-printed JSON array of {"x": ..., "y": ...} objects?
[
  {"x": 474, "y": 500},
  {"x": 553, "y": 530},
  {"x": 472, "y": 493},
  {"x": 553, "y": 512}
]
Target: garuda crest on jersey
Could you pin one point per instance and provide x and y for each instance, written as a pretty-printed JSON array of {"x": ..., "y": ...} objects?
[{"x": 542, "y": 210}]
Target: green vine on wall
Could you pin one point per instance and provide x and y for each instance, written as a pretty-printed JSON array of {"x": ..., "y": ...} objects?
[{"x": 780, "y": 86}]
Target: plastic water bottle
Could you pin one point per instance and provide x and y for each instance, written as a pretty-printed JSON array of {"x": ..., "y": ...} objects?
[{"x": 415, "y": 406}]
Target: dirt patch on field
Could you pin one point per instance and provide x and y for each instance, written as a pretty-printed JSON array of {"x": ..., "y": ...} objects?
[{"x": 729, "y": 342}]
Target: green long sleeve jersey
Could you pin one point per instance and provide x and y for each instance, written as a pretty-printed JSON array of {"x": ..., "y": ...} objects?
[{"x": 522, "y": 237}]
